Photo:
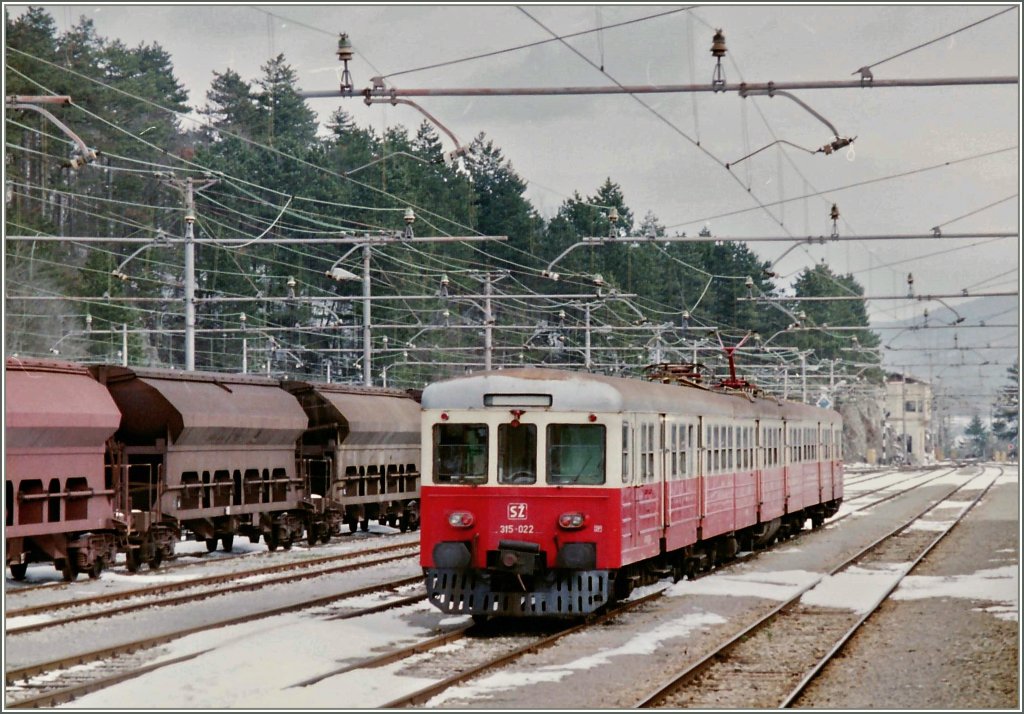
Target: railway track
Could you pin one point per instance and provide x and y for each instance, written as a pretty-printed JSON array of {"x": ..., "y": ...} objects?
[
  {"x": 773, "y": 660},
  {"x": 180, "y": 561},
  {"x": 149, "y": 597},
  {"x": 508, "y": 652},
  {"x": 45, "y": 684}
]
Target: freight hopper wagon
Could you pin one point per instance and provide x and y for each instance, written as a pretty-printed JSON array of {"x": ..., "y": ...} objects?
[
  {"x": 210, "y": 453},
  {"x": 58, "y": 500},
  {"x": 360, "y": 456},
  {"x": 550, "y": 493}
]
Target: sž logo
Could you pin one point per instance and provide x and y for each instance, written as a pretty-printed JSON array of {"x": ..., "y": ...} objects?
[{"x": 517, "y": 511}]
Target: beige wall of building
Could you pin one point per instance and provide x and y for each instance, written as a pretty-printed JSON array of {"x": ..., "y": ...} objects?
[{"x": 908, "y": 402}]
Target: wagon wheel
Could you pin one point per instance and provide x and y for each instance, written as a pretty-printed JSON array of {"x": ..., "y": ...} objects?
[
  {"x": 96, "y": 568},
  {"x": 158, "y": 557},
  {"x": 227, "y": 541},
  {"x": 287, "y": 543},
  {"x": 353, "y": 524},
  {"x": 326, "y": 537},
  {"x": 364, "y": 526},
  {"x": 403, "y": 523},
  {"x": 132, "y": 560},
  {"x": 18, "y": 570},
  {"x": 311, "y": 536},
  {"x": 211, "y": 545},
  {"x": 271, "y": 539}
]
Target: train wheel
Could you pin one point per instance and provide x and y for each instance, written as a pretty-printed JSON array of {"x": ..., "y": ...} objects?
[
  {"x": 622, "y": 587},
  {"x": 403, "y": 524},
  {"x": 364, "y": 526},
  {"x": 326, "y": 537},
  {"x": 132, "y": 560},
  {"x": 227, "y": 541},
  {"x": 287, "y": 544},
  {"x": 353, "y": 525},
  {"x": 311, "y": 537},
  {"x": 211, "y": 545},
  {"x": 18, "y": 570},
  {"x": 158, "y": 557},
  {"x": 69, "y": 568},
  {"x": 96, "y": 569},
  {"x": 271, "y": 539}
]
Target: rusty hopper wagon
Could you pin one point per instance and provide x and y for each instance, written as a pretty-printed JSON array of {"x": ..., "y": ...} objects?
[
  {"x": 58, "y": 500},
  {"x": 211, "y": 453},
  {"x": 360, "y": 456}
]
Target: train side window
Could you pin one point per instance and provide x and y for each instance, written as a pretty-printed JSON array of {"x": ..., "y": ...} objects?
[
  {"x": 9, "y": 502},
  {"x": 517, "y": 454},
  {"x": 646, "y": 453},
  {"x": 575, "y": 454},
  {"x": 673, "y": 447},
  {"x": 460, "y": 453},
  {"x": 627, "y": 474}
]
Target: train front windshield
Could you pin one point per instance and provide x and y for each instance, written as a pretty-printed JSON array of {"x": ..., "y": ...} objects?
[
  {"x": 575, "y": 454},
  {"x": 460, "y": 453}
]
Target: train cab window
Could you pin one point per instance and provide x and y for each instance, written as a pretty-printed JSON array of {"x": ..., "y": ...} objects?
[
  {"x": 575, "y": 454},
  {"x": 517, "y": 453},
  {"x": 460, "y": 453}
]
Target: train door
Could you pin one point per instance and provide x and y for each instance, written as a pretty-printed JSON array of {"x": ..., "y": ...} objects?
[
  {"x": 819, "y": 455},
  {"x": 648, "y": 486},
  {"x": 759, "y": 468},
  {"x": 627, "y": 493},
  {"x": 679, "y": 484}
]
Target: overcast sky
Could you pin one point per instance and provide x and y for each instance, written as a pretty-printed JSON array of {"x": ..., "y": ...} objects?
[{"x": 566, "y": 144}]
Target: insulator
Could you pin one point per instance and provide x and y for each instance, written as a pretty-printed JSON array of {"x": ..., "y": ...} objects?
[
  {"x": 718, "y": 44},
  {"x": 344, "y": 48},
  {"x": 835, "y": 212}
]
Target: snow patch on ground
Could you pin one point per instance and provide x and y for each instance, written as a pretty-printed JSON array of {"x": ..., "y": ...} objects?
[
  {"x": 644, "y": 643},
  {"x": 997, "y": 585}
]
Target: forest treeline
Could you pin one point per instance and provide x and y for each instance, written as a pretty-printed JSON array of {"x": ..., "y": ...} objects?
[{"x": 268, "y": 171}]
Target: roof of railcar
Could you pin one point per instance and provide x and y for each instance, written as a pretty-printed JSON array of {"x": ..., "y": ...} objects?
[{"x": 582, "y": 391}]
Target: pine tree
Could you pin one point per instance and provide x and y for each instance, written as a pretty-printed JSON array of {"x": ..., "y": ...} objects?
[
  {"x": 1006, "y": 410},
  {"x": 977, "y": 438}
]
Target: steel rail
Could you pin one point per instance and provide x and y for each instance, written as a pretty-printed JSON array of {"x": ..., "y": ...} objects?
[
  {"x": 837, "y": 648},
  {"x": 422, "y": 695},
  {"x": 32, "y": 670},
  {"x": 674, "y": 682},
  {"x": 205, "y": 580},
  {"x": 193, "y": 597}
]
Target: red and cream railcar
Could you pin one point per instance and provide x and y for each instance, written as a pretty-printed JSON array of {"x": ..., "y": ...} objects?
[
  {"x": 58, "y": 498},
  {"x": 551, "y": 493}
]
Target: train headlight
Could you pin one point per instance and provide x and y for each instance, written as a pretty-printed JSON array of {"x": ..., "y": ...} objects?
[
  {"x": 571, "y": 521},
  {"x": 460, "y": 519}
]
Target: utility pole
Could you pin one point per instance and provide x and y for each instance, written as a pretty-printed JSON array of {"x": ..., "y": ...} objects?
[
  {"x": 188, "y": 188},
  {"x": 367, "y": 346}
]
